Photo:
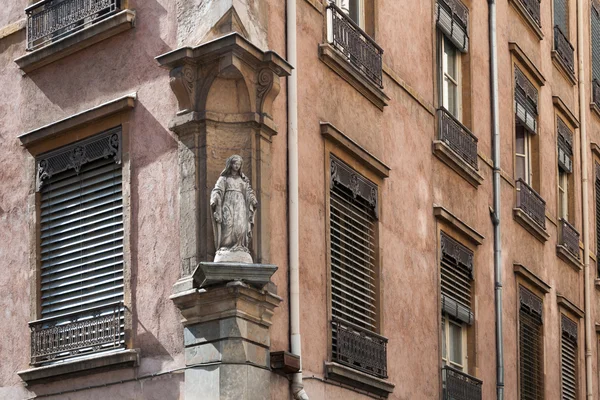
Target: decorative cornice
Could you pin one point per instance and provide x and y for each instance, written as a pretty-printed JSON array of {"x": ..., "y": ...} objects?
[
  {"x": 568, "y": 305},
  {"x": 526, "y": 63},
  {"x": 469, "y": 233},
  {"x": 530, "y": 277},
  {"x": 530, "y": 301},
  {"x": 562, "y": 107},
  {"x": 568, "y": 327}
]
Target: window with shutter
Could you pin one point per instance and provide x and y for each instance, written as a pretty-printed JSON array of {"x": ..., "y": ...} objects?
[
  {"x": 597, "y": 184},
  {"x": 531, "y": 369},
  {"x": 81, "y": 249},
  {"x": 568, "y": 353},
  {"x": 526, "y": 101},
  {"x": 456, "y": 277},
  {"x": 595, "y": 39},
  {"x": 354, "y": 271}
]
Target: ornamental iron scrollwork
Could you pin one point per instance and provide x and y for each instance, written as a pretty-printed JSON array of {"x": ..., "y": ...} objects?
[
  {"x": 461, "y": 254},
  {"x": 74, "y": 156},
  {"x": 460, "y": 386},
  {"x": 360, "y": 349},
  {"x": 358, "y": 185},
  {"x": 569, "y": 238},
  {"x": 569, "y": 327},
  {"x": 531, "y": 302},
  {"x": 531, "y": 203}
]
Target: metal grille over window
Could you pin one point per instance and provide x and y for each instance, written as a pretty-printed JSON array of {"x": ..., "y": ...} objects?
[
  {"x": 568, "y": 365},
  {"x": 452, "y": 18},
  {"x": 526, "y": 101},
  {"x": 81, "y": 252},
  {"x": 354, "y": 287},
  {"x": 457, "y": 274},
  {"x": 51, "y": 20},
  {"x": 531, "y": 368},
  {"x": 565, "y": 146}
]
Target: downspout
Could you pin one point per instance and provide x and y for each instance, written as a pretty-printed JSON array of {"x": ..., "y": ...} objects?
[
  {"x": 292, "y": 135},
  {"x": 585, "y": 202},
  {"x": 496, "y": 210}
]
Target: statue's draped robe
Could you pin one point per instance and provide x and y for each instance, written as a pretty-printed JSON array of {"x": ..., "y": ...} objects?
[{"x": 236, "y": 203}]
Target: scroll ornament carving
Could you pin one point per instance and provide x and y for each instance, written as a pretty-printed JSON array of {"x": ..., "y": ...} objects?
[
  {"x": 182, "y": 84},
  {"x": 265, "y": 84},
  {"x": 233, "y": 205}
]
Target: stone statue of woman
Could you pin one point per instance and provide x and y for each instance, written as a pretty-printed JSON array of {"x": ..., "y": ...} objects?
[{"x": 233, "y": 204}]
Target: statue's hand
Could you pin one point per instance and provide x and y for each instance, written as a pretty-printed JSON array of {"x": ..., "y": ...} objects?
[{"x": 217, "y": 216}]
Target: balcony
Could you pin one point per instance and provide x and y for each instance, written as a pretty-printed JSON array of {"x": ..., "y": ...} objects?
[
  {"x": 354, "y": 55},
  {"x": 359, "y": 348},
  {"x": 563, "y": 54},
  {"x": 533, "y": 9},
  {"x": 530, "y": 211},
  {"x": 57, "y": 28},
  {"x": 460, "y": 386},
  {"x": 568, "y": 244},
  {"x": 94, "y": 330},
  {"x": 457, "y": 147}
]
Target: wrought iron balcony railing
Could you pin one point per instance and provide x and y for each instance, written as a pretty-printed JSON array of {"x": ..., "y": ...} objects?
[
  {"x": 564, "y": 49},
  {"x": 457, "y": 137},
  {"x": 569, "y": 238},
  {"x": 531, "y": 203},
  {"x": 533, "y": 8},
  {"x": 596, "y": 92},
  {"x": 460, "y": 386},
  {"x": 93, "y": 330},
  {"x": 359, "y": 348},
  {"x": 354, "y": 43},
  {"x": 51, "y": 20}
]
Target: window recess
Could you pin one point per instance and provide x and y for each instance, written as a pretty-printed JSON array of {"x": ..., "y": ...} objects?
[
  {"x": 531, "y": 368},
  {"x": 81, "y": 250},
  {"x": 569, "y": 359}
]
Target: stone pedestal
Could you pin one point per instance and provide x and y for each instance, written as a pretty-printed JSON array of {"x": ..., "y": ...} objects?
[{"x": 226, "y": 333}]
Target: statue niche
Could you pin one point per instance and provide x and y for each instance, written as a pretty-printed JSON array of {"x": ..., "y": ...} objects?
[{"x": 233, "y": 205}]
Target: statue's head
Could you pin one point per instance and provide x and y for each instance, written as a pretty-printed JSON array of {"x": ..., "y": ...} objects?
[{"x": 233, "y": 166}]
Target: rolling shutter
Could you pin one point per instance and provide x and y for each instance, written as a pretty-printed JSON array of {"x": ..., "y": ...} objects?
[
  {"x": 526, "y": 101},
  {"x": 568, "y": 365},
  {"x": 561, "y": 15},
  {"x": 595, "y": 16},
  {"x": 456, "y": 277},
  {"x": 530, "y": 346},
  {"x": 452, "y": 19},
  {"x": 81, "y": 229},
  {"x": 565, "y": 146}
]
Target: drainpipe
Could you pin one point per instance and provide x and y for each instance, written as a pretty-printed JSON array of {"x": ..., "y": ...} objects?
[
  {"x": 585, "y": 205},
  {"x": 294, "y": 262},
  {"x": 496, "y": 210}
]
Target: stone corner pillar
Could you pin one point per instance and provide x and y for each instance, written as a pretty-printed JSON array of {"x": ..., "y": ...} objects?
[{"x": 226, "y": 334}]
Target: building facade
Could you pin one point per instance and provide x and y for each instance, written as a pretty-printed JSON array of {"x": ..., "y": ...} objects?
[{"x": 367, "y": 131}]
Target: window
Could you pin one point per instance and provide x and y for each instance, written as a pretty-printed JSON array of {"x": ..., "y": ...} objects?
[
  {"x": 563, "y": 197},
  {"x": 354, "y": 281},
  {"x": 354, "y": 9},
  {"x": 81, "y": 250},
  {"x": 595, "y": 22},
  {"x": 456, "y": 277},
  {"x": 452, "y": 18},
  {"x": 565, "y": 167},
  {"x": 562, "y": 46},
  {"x": 568, "y": 359},
  {"x": 526, "y": 113},
  {"x": 531, "y": 369},
  {"x": 523, "y": 154}
]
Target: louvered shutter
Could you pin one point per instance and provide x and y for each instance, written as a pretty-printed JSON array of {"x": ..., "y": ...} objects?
[
  {"x": 456, "y": 277},
  {"x": 81, "y": 229},
  {"x": 568, "y": 366},
  {"x": 530, "y": 346},
  {"x": 595, "y": 16},
  {"x": 526, "y": 101},
  {"x": 452, "y": 19},
  {"x": 565, "y": 146}
]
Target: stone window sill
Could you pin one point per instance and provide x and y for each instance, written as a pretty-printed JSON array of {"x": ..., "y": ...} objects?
[
  {"x": 98, "y": 362},
  {"x": 564, "y": 70},
  {"x": 442, "y": 151},
  {"x": 79, "y": 40},
  {"x": 568, "y": 257},
  {"x": 528, "y": 18},
  {"x": 530, "y": 225},
  {"x": 595, "y": 108},
  {"x": 351, "y": 377},
  {"x": 340, "y": 65}
]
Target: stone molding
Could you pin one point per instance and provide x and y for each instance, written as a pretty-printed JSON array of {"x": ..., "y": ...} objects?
[
  {"x": 568, "y": 257},
  {"x": 442, "y": 214},
  {"x": 341, "y": 66},
  {"x": 564, "y": 70},
  {"x": 442, "y": 151},
  {"x": 338, "y": 137},
  {"x": 79, "y": 40},
  {"x": 527, "y": 18},
  {"x": 530, "y": 225},
  {"x": 99, "y": 362},
  {"x": 52, "y": 130},
  {"x": 525, "y": 61},
  {"x": 537, "y": 282},
  {"x": 560, "y": 105},
  {"x": 568, "y": 305},
  {"x": 351, "y": 377}
]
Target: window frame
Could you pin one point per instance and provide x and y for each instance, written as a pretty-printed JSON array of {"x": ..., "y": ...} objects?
[{"x": 447, "y": 80}]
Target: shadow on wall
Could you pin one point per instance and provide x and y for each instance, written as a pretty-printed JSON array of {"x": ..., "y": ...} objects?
[{"x": 102, "y": 72}]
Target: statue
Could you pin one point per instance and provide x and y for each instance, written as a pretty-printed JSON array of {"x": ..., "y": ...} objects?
[{"x": 233, "y": 204}]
